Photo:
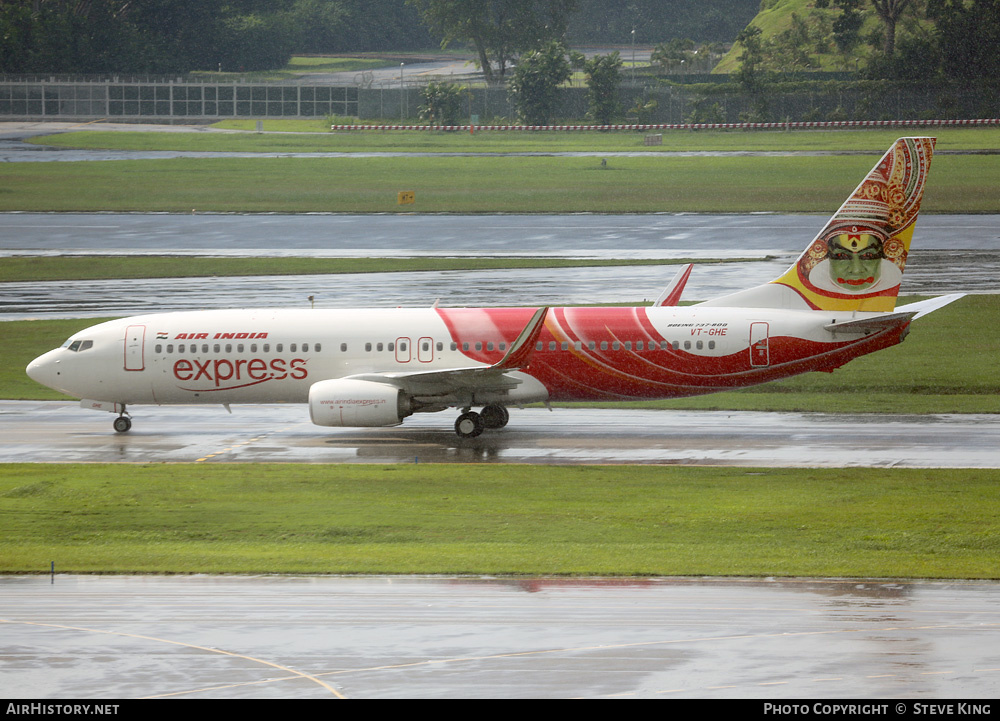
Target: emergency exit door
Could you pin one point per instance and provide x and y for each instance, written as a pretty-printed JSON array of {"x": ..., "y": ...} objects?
[{"x": 759, "y": 353}]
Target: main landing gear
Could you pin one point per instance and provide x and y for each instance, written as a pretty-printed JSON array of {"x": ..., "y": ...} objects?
[
  {"x": 470, "y": 424},
  {"x": 123, "y": 423}
]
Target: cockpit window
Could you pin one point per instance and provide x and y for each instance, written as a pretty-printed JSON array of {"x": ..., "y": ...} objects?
[{"x": 80, "y": 345}]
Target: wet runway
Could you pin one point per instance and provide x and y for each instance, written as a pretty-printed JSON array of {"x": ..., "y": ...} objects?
[
  {"x": 53, "y": 431},
  {"x": 409, "y": 637},
  {"x": 955, "y": 254}
]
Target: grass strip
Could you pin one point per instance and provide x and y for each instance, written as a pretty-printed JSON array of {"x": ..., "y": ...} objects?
[
  {"x": 314, "y": 136},
  {"x": 455, "y": 519},
  {"x": 946, "y": 365},
  {"x": 958, "y": 184},
  {"x": 106, "y": 267}
]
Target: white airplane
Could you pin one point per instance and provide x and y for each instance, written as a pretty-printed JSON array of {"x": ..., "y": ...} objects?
[{"x": 375, "y": 367}]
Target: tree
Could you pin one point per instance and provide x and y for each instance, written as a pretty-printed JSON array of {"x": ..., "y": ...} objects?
[
  {"x": 442, "y": 103},
  {"x": 968, "y": 35},
  {"x": 537, "y": 76},
  {"x": 498, "y": 30},
  {"x": 888, "y": 11},
  {"x": 751, "y": 76},
  {"x": 603, "y": 73}
]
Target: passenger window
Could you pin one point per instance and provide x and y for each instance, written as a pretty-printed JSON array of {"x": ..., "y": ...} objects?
[
  {"x": 291, "y": 348},
  {"x": 489, "y": 345},
  {"x": 699, "y": 345},
  {"x": 279, "y": 347},
  {"x": 687, "y": 345},
  {"x": 425, "y": 346},
  {"x": 552, "y": 345},
  {"x": 440, "y": 345},
  {"x": 318, "y": 348},
  {"x": 465, "y": 346},
  {"x": 267, "y": 347},
  {"x": 216, "y": 348},
  {"x": 239, "y": 347},
  {"x": 639, "y": 345},
  {"x": 591, "y": 345},
  {"x": 711, "y": 344},
  {"x": 454, "y": 345},
  {"x": 305, "y": 347},
  {"x": 565, "y": 345},
  {"x": 676, "y": 345},
  {"x": 628, "y": 345},
  {"x": 229, "y": 347},
  {"x": 170, "y": 348},
  {"x": 368, "y": 347},
  {"x": 204, "y": 347},
  {"x": 253, "y": 347},
  {"x": 479, "y": 345},
  {"x": 503, "y": 346},
  {"x": 615, "y": 345},
  {"x": 379, "y": 346},
  {"x": 604, "y": 345},
  {"x": 180, "y": 348},
  {"x": 343, "y": 347},
  {"x": 538, "y": 345},
  {"x": 390, "y": 346},
  {"x": 158, "y": 348}
]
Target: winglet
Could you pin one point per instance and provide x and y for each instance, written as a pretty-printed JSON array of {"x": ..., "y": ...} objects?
[
  {"x": 671, "y": 295},
  {"x": 522, "y": 348}
]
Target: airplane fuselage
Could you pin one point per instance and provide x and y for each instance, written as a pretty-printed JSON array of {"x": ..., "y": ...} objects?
[{"x": 581, "y": 353}]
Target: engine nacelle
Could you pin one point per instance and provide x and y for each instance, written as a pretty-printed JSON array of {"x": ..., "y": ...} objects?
[{"x": 355, "y": 403}]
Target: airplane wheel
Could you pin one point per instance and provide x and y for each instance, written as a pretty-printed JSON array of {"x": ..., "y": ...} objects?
[
  {"x": 469, "y": 425},
  {"x": 122, "y": 424},
  {"x": 495, "y": 416}
]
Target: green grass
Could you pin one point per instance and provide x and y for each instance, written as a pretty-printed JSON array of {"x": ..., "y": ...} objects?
[
  {"x": 44, "y": 268},
  {"x": 272, "y": 141},
  {"x": 958, "y": 184},
  {"x": 946, "y": 365},
  {"x": 454, "y": 519}
]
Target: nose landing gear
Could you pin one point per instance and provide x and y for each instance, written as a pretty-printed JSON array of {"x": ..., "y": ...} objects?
[{"x": 123, "y": 423}]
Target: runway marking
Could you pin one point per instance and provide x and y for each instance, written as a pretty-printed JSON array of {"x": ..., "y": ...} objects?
[
  {"x": 235, "y": 446},
  {"x": 298, "y": 674}
]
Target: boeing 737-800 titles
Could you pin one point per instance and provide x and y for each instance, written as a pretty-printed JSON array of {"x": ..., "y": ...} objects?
[{"x": 375, "y": 367}]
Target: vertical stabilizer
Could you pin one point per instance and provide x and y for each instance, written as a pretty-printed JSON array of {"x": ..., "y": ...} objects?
[{"x": 857, "y": 260}]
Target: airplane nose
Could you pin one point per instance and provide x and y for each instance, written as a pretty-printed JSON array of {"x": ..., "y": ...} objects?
[{"x": 44, "y": 369}]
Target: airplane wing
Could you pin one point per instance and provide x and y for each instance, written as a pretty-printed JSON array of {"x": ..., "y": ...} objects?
[
  {"x": 671, "y": 295},
  {"x": 475, "y": 378}
]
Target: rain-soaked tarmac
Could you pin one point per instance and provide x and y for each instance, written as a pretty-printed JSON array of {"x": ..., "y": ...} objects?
[
  {"x": 950, "y": 254},
  {"x": 410, "y": 637}
]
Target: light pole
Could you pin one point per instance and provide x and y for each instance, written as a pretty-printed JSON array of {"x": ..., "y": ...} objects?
[
  {"x": 633, "y": 56},
  {"x": 401, "y": 116}
]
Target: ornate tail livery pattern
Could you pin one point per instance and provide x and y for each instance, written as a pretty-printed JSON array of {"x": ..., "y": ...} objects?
[{"x": 856, "y": 262}]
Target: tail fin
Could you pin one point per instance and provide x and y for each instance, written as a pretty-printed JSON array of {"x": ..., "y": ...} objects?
[{"x": 857, "y": 260}]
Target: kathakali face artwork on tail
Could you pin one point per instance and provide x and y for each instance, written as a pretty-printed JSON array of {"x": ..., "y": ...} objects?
[{"x": 861, "y": 253}]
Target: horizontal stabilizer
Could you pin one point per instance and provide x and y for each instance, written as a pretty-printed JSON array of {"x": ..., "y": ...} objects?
[
  {"x": 869, "y": 325},
  {"x": 924, "y": 307}
]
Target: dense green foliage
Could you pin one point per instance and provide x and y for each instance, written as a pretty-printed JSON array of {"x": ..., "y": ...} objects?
[{"x": 535, "y": 83}]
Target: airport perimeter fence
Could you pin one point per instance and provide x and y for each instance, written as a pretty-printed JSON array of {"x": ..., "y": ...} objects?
[{"x": 170, "y": 101}]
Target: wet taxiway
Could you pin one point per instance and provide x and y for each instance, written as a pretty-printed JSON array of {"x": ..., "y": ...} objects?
[
  {"x": 955, "y": 254},
  {"x": 410, "y": 637},
  {"x": 53, "y": 431}
]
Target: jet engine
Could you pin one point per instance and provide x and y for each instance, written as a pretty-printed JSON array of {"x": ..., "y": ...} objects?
[{"x": 356, "y": 403}]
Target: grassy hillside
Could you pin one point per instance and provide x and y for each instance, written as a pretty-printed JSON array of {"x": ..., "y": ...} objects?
[{"x": 779, "y": 34}]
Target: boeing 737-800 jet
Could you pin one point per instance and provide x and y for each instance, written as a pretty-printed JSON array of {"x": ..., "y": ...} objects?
[{"x": 375, "y": 367}]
